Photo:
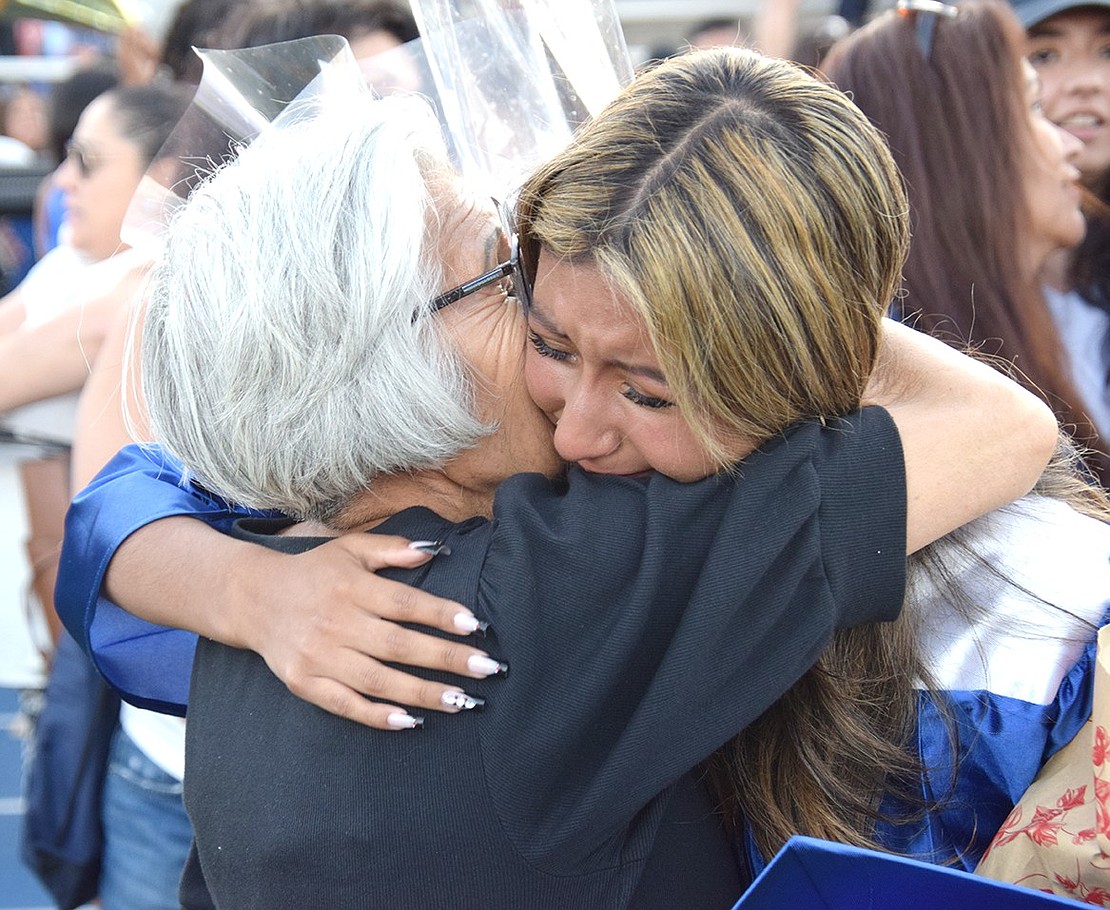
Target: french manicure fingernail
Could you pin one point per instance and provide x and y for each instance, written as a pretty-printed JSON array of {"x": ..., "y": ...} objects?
[
  {"x": 401, "y": 721},
  {"x": 462, "y": 701},
  {"x": 467, "y": 622},
  {"x": 486, "y": 666},
  {"x": 431, "y": 547}
]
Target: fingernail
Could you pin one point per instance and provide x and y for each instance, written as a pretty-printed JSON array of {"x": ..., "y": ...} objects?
[
  {"x": 486, "y": 666},
  {"x": 462, "y": 701},
  {"x": 400, "y": 721},
  {"x": 468, "y": 622},
  {"x": 431, "y": 547}
]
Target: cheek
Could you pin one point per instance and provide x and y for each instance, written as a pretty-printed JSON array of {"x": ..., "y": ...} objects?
[
  {"x": 684, "y": 464},
  {"x": 1052, "y": 97},
  {"x": 668, "y": 445},
  {"x": 672, "y": 448},
  {"x": 104, "y": 196}
]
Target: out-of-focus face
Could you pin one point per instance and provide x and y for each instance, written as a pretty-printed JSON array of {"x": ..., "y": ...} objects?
[
  {"x": 592, "y": 369},
  {"x": 1071, "y": 53},
  {"x": 97, "y": 196},
  {"x": 1051, "y": 182},
  {"x": 373, "y": 43},
  {"x": 25, "y": 119},
  {"x": 489, "y": 330}
]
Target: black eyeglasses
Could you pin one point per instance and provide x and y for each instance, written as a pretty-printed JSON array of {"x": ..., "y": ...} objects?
[
  {"x": 85, "y": 162},
  {"x": 510, "y": 268},
  {"x": 925, "y": 14}
]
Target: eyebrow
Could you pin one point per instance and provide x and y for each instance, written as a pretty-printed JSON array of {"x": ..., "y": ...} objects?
[{"x": 536, "y": 314}]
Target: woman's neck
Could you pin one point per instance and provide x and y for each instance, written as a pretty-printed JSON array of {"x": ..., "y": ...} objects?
[
  {"x": 1054, "y": 270},
  {"x": 393, "y": 493}
]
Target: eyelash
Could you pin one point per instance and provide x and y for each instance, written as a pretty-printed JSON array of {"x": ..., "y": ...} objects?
[
  {"x": 646, "y": 401},
  {"x": 546, "y": 350},
  {"x": 638, "y": 398}
]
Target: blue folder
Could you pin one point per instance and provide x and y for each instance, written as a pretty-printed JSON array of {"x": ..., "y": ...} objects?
[{"x": 810, "y": 874}]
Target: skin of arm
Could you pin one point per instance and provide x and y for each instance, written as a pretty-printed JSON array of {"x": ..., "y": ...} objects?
[
  {"x": 55, "y": 357},
  {"x": 101, "y": 429},
  {"x": 319, "y": 618},
  {"x": 328, "y": 634},
  {"x": 973, "y": 439},
  {"x": 12, "y": 313}
]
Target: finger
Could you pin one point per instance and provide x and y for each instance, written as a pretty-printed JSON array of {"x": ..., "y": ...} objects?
[
  {"x": 397, "y": 601},
  {"x": 343, "y": 702},
  {"x": 387, "y": 641},
  {"x": 366, "y": 677}
]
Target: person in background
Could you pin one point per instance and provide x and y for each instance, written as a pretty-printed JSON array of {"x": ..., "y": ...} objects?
[
  {"x": 68, "y": 100},
  {"x": 370, "y": 26},
  {"x": 721, "y": 32},
  {"x": 993, "y": 186},
  {"x": 54, "y": 324},
  {"x": 22, "y": 147},
  {"x": 1068, "y": 44},
  {"x": 195, "y": 24},
  {"x": 24, "y": 118}
]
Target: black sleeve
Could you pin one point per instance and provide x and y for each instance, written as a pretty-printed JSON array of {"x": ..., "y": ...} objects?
[{"x": 647, "y": 623}]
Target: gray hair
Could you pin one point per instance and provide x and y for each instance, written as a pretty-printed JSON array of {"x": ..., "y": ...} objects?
[{"x": 288, "y": 353}]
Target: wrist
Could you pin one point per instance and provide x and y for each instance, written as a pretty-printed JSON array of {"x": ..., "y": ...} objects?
[{"x": 236, "y": 617}]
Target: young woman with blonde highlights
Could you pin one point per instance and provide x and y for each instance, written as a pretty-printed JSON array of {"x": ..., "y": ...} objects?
[
  {"x": 694, "y": 219},
  {"x": 607, "y": 594}
]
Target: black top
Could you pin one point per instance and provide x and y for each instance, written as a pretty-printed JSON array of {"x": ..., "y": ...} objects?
[{"x": 645, "y": 623}]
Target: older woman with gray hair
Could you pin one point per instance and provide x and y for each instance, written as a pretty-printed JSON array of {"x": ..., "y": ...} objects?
[{"x": 317, "y": 342}]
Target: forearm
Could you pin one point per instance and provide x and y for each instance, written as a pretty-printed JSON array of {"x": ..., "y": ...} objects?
[
  {"x": 201, "y": 589},
  {"x": 12, "y": 313},
  {"x": 39, "y": 364},
  {"x": 54, "y": 357},
  {"x": 973, "y": 439},
  {"x": 133, "y": 564}
]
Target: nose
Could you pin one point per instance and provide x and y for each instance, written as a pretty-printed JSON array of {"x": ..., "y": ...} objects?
[{"x": 584, "y": 430}]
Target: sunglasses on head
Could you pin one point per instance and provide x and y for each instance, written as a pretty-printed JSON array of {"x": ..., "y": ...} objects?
[
  {"x": 512, "y": 268},
  {"x": 925, "y": 14}
]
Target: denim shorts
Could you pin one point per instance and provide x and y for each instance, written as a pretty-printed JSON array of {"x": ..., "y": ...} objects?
[{"x": 146, "y": 832}]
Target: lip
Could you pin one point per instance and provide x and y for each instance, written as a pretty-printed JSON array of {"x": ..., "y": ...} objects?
[{"x": 1083, "y": 125}]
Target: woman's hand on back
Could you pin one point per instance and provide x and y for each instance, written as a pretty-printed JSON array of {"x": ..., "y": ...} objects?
[
  {"x": 328, "y": 627},
  {"x": 325, "y": 624}
]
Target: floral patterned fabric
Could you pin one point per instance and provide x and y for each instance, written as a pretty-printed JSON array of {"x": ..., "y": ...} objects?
[{"x": 1057, "y": 838}]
